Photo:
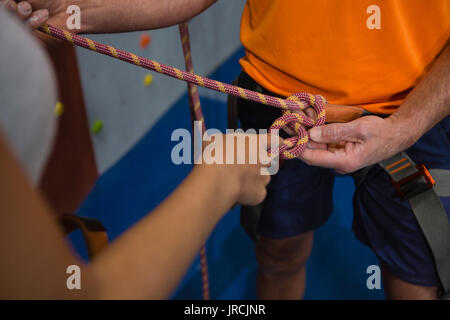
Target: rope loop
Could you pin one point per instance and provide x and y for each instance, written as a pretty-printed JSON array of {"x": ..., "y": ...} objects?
[{"x": 299, "y": 123}]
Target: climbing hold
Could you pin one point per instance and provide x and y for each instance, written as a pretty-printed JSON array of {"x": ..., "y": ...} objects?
[
  {"x": 59, "y": 108},
  {"x": 97, "y": 127},
  {"x": 145, "y": 40},
  {"x": 148, "y": 80}
]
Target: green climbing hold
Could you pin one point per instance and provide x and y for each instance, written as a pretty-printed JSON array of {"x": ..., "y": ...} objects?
[{"x": 97, "y": 127}]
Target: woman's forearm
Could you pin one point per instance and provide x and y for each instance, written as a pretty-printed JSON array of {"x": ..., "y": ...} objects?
[
  {"x": 103, "y": 16},
  {"x": 149, "y": 260}
]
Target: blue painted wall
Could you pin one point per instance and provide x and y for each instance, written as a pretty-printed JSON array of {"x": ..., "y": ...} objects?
[{"x": 146, "y": 175}]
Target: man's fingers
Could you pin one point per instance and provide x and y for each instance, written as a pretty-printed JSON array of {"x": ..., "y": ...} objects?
[
  {"x": 288, "y": 130},
  {"x": 24, "y": 10},
  {"x": 38, "y": 18},
  {"x": 343, "y": 160},
  {"x": 335, "y": 133},
  {"x": 311, "y": 113},
  {"x": 9, "y": 4},
  {"x": 324, "y": 158},
  {"x": 314, "y": 145},
  {"x": 335, "y": 146}
]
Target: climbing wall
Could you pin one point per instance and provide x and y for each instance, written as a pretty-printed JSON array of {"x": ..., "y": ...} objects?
[{"x": 116, "y": 95}]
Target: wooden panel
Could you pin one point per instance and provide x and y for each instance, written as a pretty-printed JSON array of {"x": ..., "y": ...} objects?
[{"x": 71, "y": 169}]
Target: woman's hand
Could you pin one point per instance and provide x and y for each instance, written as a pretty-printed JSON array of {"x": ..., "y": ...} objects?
[{"x": 244, "y": 172}]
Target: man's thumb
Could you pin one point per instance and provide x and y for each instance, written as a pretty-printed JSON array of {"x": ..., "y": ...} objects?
[{"x": 316, "y": 134}]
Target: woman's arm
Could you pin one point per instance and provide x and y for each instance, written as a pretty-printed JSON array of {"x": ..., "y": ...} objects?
[{"x": 147, "y": 261}]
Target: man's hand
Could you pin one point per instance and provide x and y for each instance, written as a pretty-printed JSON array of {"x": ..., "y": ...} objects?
[
  {"x": 347, "y": 147},
  {"x": 37, "y": 12},
  {"x": 24, "y": 10},
  {"x": 369, "y": 140},
  {"x": 57, "y": 15}
]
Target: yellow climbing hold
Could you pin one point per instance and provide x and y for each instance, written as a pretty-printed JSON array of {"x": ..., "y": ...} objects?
[
  {"x": 148, "y": 80},
  {"x": 59, "y": 108}
]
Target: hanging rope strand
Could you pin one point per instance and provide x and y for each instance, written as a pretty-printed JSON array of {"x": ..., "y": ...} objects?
[
  {"x": 194, "y": 99},
  {"x": 196, "y": 115}
]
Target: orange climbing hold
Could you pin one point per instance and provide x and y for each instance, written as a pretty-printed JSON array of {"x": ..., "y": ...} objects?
[{"x": 145, "y": 40}]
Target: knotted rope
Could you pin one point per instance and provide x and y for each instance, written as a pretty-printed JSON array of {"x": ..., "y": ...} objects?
[
  {"x": 295, "y": 145},
  {"x": 292, "y": 147}
]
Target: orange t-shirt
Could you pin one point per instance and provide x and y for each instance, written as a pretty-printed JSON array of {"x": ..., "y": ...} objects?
[{"x": 326, "y": 47}]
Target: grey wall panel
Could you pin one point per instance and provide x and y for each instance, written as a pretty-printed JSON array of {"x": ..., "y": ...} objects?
[{"x": 114, "y": 90}]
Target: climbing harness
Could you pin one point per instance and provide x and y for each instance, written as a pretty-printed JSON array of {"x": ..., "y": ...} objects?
[
  {"x": 93, "y": 231},
  {"x": 291, "y": 148},
  {"x": 422, "y": 188}
]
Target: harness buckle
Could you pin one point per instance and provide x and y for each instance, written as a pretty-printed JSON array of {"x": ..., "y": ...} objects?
[{"x": 414, "y": 184}]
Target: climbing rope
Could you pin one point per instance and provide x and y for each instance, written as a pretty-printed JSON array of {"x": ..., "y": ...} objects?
[
  {"x": 196, "y": 115},
  {"x": 194, "y": 99},
  {"x": 291, "y": 148}
]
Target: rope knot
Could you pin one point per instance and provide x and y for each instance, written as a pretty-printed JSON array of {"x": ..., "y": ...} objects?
[{"x": 299, "y": 122}]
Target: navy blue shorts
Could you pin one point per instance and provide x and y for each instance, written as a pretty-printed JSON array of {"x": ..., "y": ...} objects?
[{"x": 381, "y": 220}]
